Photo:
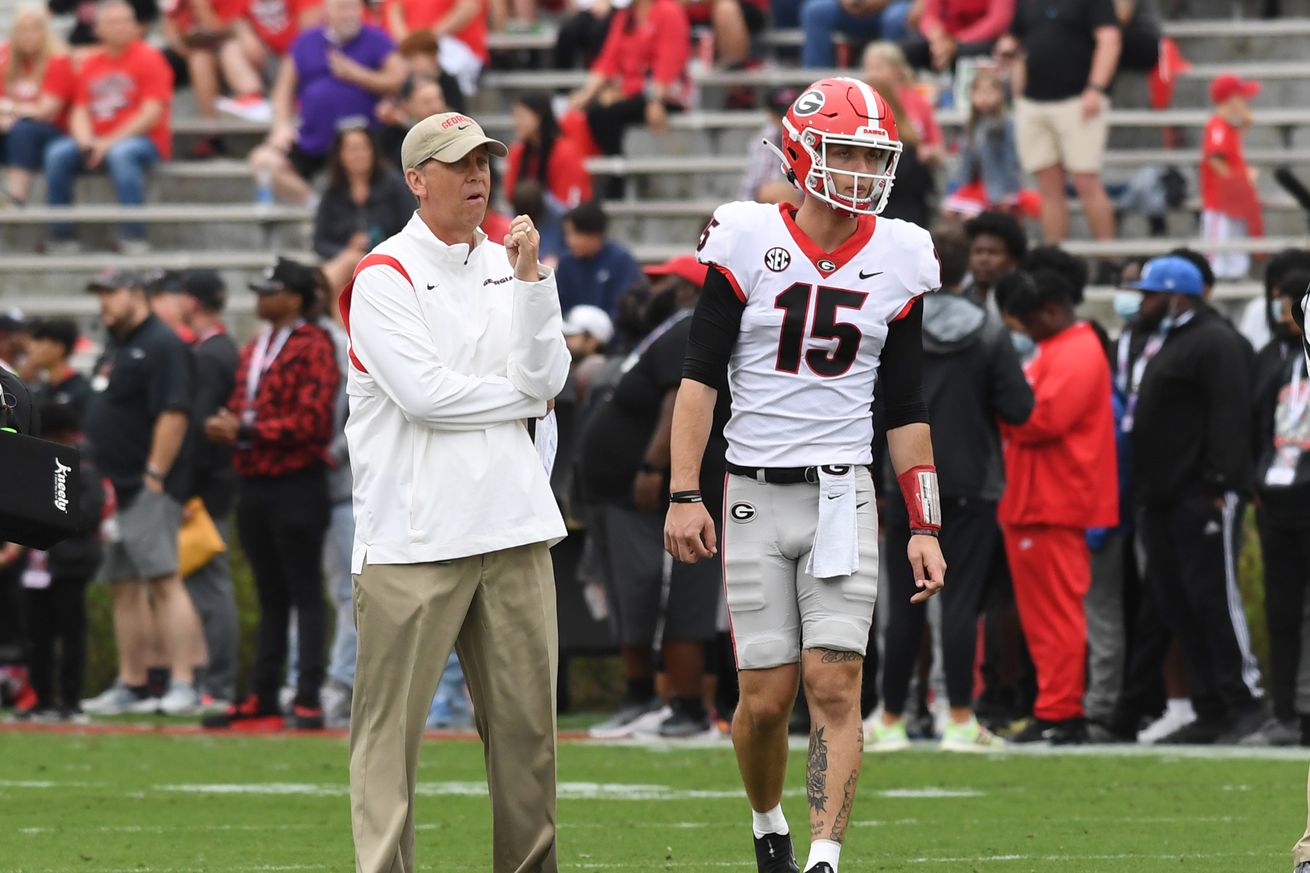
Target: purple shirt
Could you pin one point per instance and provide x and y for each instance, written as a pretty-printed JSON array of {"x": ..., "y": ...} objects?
[{"x": 324, "y": 99}]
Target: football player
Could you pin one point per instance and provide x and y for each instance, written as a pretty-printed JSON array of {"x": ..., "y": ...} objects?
[{"x": 805, "y": 310}]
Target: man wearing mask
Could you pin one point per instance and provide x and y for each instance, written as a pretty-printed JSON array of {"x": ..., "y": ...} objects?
[{"x": 1192, "y": 461}]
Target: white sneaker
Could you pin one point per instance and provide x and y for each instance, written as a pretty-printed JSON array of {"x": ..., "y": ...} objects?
[
  {"x": 251, "y": 108},
  {"x": 882, "y": 737},
  {"x": 181, "y": 699},
  {"x": 114, "y": 700},
  {"x": 969, "y": 737},
  {"x": 286, "y": 696},
  {"x": 623, "y": 723},
  {"x": 1178, "y": 713}
]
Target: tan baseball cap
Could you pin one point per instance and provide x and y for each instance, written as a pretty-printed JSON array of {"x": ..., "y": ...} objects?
[{"x": 447, "y": 137}]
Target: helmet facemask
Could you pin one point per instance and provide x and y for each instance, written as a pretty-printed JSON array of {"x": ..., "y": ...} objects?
[{"x": 873, "y": 188}]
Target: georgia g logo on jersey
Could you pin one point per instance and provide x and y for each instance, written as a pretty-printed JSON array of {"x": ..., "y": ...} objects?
[{"x": 777, "y": 259}]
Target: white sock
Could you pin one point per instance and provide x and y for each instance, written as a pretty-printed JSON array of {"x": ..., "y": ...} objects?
[
  {"x": 771, "y": 822},
  {"x": 824, "y": 852}
]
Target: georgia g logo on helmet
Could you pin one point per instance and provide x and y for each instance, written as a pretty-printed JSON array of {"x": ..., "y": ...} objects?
[{"x": 832, "y": 113}]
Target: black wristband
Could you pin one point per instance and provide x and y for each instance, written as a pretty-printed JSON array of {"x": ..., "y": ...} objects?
[
  {"x": 924, "y": 532},
  {"x": 685, "y": 497}
]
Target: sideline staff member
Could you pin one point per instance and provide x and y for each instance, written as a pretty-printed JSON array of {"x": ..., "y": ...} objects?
[{"x": 455, "y": 342}]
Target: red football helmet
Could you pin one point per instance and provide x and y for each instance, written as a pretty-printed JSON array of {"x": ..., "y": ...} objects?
[{"x": 841, "y": 111}]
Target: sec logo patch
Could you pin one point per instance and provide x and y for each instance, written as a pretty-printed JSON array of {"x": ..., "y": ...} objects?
[
  {"x": 777, "y": 259},
  {"x": 742, "y": 512}
]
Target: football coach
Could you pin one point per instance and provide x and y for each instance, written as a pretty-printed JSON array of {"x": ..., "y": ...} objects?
[{"x": 456, "y": 343}]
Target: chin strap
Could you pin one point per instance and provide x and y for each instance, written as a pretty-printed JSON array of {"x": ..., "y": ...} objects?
[{"x": 919, "y": 488}]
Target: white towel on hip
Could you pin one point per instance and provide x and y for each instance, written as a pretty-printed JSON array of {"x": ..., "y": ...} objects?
[{"x": 836, "y": 549}]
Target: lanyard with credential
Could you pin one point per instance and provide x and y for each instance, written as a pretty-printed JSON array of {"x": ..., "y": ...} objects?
[{"x": 267, "y": 348}]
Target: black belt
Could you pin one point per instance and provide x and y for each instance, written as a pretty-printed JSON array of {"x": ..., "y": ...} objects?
[{"x": 786, "y": 475}]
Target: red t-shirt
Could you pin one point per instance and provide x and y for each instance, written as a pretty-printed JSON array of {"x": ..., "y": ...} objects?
[
  {"x": 277, "y": 22},
  {"x": 968, "y": 21},
  {"x": 566, "y": 174},
  {"x": 659, "y": 47},
  {"x": 921, "y": 116},
  {"x": 59, "y": 81},
  {"x": 1230, "y": 194},
  {"x": 113, "y": 89},
  {"x": 426, "y": 14}
]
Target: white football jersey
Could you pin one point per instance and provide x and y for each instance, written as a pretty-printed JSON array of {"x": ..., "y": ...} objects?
[{"x": 802, "y": 372}]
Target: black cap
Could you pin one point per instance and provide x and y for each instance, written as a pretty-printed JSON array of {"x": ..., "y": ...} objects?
[
  {"x": 110, "y": 279},
  {"x": 288, "y": 275},
  {"x": 207, "y": 287},
  {"x": 164, "y": 282},
  {"x": 11, "y": 321}
]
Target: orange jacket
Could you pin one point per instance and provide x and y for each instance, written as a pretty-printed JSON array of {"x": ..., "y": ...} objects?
[{"x": 1060, "y": 465}]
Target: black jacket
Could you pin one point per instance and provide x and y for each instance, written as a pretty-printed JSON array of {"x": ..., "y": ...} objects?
[
  {"x": 390, "y": 205},
  {"x": 1190, "y": 431},
  {"x": 971, "y": 378},
  {"x": 215, "y": 480},
  {"x": 1286, "y": 506}
]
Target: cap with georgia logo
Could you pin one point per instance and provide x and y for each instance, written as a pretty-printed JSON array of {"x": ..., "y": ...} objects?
[{"x": 446, "y": 137}]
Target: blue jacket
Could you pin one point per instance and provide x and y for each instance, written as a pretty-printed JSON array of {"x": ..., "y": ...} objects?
[
  {"x": 991, "y": 156},
  {"x": 599, "y": 280}
]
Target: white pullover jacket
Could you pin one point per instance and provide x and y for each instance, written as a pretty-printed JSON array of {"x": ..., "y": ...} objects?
[{"x": 449, "y": 355}]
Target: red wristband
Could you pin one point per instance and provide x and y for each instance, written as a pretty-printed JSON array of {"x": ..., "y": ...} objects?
[{"x": 919, "y": 488}]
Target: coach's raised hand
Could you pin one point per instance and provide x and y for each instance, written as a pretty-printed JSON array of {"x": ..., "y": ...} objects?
[{"x": 522, "y": 244}]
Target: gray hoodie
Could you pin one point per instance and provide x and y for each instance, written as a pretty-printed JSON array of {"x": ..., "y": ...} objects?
[{"x": 971, "y": 378}]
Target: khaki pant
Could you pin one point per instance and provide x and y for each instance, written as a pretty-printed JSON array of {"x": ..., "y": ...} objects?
[
  {"x": 1051, "y": 134},
  {"x": 498, "y": 611},
  {"x": 1301, "y": 851}
]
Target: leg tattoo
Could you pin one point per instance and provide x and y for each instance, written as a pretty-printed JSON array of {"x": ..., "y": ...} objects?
[{"x": 816, "y": 781}]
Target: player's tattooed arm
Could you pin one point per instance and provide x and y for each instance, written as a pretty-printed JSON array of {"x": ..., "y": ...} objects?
[{"x": 816, "y": 777}]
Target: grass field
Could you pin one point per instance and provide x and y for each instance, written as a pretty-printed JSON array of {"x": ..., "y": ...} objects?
[{"x": 150, "y": 803}]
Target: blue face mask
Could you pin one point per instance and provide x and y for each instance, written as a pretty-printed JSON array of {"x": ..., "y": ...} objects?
[
  {"x": 1127, "y": 304},
  {"x": 1023, "y": 344}
]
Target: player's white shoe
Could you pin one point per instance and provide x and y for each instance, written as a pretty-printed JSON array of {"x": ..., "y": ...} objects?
[{"x": 881, "y": 737}]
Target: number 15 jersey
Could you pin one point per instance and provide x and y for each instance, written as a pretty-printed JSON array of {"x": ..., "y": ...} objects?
[{"x": 813, "y": 323}]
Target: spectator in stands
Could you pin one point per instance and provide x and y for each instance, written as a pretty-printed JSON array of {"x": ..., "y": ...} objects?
[
  {"x": 587, "y": 331},
  {"x": 971, "y": 378},
  {"x": 988, "y": 175},
  {"x": 36, "y": 89},
  {"x": 201, "y": 301},
  {"x": 1191, "y": 467},
  {"x": 166, "y": 302},
  {"x": 641, "y": 74},
  {"x": 512, "y": 16},
  {"x": 84, "y": 27},
  {"x": 1282, "y": 406},
  {"x": 1060, "y": 471},
  {"x": 460, "y": 28},
  {"x": 279, "y": 419},
  {"x": 204, "y": 34},
  {"x": 53, "y": 344},
  {"x": 335, "y": 74},
  {"x": 365, "y": 203},
  {"x": 1230, "y": 209},
  {"x": 1062, "y": 56},
  {"x": 734, "y": 24},
  {"x": 764, "y": 180},
  {"x": 540, "y": 152},
  {"x": 886, "y": 70},
  {"x": 582, "y": 34},
  {"x": 1256, "y": 322},
  {"x": 862, "y": 19},
  {"x": 547, "y": 215},
  {"x": 136, "y": 427},
  {"x": 419, "y": 97},
  {"x": 419, "y": 52},
  {"x": 625, "y": 469},
  {"x": 951, "y": 29},
  {"x": 997, "y": 246},
  {"x": 595, "y": 270},
  {"x": 119, "y": 122},
  {"x": 273, "y": 26},
  {"x": 55, "y": 587}
]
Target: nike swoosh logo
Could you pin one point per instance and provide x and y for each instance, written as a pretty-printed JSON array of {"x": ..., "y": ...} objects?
[
  {"x": 864, "y": 275},
  {"x": 430, "y": 287},
  {"x": 833, "y": 496},
  {"x": 858, "y": 505},
  {"x": 462, "y": 127}
]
